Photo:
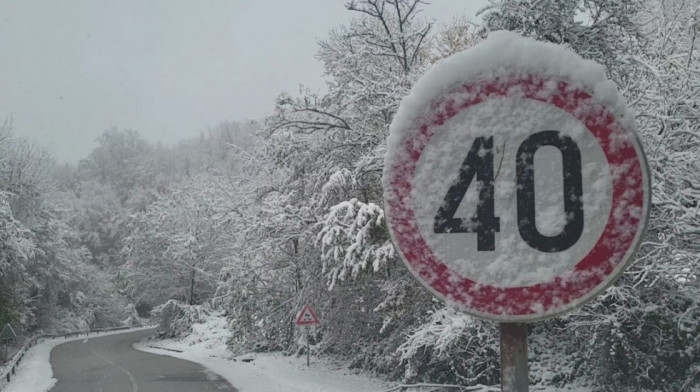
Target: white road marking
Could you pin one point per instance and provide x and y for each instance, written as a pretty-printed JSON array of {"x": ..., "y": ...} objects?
[{"x": 134, "y": 386}]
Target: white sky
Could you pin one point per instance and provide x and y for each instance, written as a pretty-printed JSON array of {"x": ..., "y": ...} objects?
[{"x": 71, "y": 69}]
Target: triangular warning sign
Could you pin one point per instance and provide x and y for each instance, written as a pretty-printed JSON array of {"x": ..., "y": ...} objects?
[
  {"x": 307, "y": 316},
  {"x": 8, "y": 333}
]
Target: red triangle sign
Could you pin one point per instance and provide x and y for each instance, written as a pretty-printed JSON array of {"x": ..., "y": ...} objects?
[{"x": 307, "y": 316}]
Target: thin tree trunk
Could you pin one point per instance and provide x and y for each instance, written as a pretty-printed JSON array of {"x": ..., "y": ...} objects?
[
  {"x": 696, "y": 28},
  {"x": 192, "y": 275}
]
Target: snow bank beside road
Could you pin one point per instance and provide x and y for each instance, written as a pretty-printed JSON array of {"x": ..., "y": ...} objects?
[
  {"x": 276, "y": 372},
  {"x": 34, "y": 373},
  {"x": 206, "y": 345},
  {"x": 265, "y": 372}
]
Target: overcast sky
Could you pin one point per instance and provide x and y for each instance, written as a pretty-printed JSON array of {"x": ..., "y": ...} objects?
[{"x": 71, "y": 69}]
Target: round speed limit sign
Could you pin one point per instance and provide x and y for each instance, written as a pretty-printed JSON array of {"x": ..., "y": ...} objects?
[{"x": 515, "y": 185}]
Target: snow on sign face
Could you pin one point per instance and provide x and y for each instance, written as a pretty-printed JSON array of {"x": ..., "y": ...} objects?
[
  {"x": 515, "y": 185},
  {"x": 307, "y": 316}
]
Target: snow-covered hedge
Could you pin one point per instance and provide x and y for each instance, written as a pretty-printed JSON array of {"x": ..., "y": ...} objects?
[{"x": 177, "y": 318}]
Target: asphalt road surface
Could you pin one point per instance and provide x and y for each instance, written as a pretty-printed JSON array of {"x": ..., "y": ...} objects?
[{"x": 111, "y": 364}]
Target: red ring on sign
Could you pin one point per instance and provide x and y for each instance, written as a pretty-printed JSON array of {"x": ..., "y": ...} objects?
[{"x": 567, "y": 290}]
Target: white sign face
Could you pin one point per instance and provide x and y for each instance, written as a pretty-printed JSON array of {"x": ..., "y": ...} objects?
[
  {"x": 514, "y": 262},
  {"x": 307, "y": 328},
  {"x": 519, "y": 194}
]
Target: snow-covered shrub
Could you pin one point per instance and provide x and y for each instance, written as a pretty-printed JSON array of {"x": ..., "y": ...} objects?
[
  {"x": 176, "y": 318},
  {"x": 133, "y": 319},
  {"x": 260, "y": 314},
  {"x": 452, "y": 347},
  {"x": 633, "y": 338}
]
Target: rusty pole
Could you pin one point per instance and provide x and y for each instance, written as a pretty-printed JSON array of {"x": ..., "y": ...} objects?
[{"x": 514, "y": 367}]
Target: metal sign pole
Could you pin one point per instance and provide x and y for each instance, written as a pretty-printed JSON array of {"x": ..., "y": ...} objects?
[
  {"x": 307, "y": 348},
  {"x": 514, "y": 367}
]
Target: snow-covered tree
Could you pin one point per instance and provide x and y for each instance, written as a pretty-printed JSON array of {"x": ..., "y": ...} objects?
[
  {"x": 17, "y": 248},
  {"x": 43, "y": 265},
  {"x": 176, "y": 247}
]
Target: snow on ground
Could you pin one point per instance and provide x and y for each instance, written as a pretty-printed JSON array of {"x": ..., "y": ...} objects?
[
  {"x": 34, "y": 373},
  {"x": 266, "y": 372},
  {"x": 206, "y": 345}
]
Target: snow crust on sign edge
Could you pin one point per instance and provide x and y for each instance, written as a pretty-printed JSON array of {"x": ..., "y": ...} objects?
[{"x": 502, "y": 53}]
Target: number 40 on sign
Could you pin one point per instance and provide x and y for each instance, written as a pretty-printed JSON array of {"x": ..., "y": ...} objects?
[{"x": 520, "y": 194}]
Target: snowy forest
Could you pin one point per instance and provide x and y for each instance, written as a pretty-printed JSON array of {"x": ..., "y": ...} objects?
[{"x": 254, "y": 219}]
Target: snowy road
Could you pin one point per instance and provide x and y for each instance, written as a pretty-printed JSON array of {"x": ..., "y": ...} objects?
[{"x": 110, "y": 364}]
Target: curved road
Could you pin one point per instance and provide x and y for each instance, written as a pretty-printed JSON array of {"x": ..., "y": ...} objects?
[{"x": 111, "y": 364}]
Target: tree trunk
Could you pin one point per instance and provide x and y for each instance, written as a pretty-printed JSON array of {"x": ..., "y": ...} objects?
[{"x": 192, "y": 275}]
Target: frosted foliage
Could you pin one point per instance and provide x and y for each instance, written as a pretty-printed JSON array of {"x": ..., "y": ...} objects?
[
  {"x": 17, "y": 240},
  {"x": 348, "y": 241},
  {"x": 337, "y": 183},
  {"x": 513, "y": 263},
  {"x": 442, "y": 330},
  {"x": 182, "y": 237},
  {"x": 455, "y": 341}
]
